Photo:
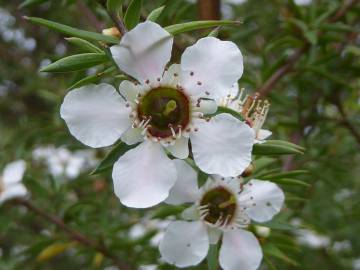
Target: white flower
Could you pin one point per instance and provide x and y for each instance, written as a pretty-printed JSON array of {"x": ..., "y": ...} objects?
[
  {"x": 222, "y": 208},
  {"x": 163, "y": 110},
  {"x": 251, "y": 107},
  {"x": 62, "y": 162},
  {"x": 10, "y": 181},
  {"x": 303, "y": 2}
]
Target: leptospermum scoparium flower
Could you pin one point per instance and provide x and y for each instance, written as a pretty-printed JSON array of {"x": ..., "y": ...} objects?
[
  {"x": 163, "y": 109},
  {"x": 223, "y": 207},
  {"x": 253, "y": 109},
  {"x": 10, "y": 181}
]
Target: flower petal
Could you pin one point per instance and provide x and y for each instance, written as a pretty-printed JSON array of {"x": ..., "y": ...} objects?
[
  {"x": 143, "y": 176},
  {"x": 185, "y": 243},
  {"x": 262, "y": 199},
  {"x": 132, "y": 136},
  {"x": 222, "y": 145},
  {"x": 263, "y": 134},
  {"x": 180, "y": 149},
  {"x": 14, "y": 172},
  {"x": 215, "y": 66},
  {"x": 186, "y": 186},
  {"x": 214, "y": 235},
  {"x": 206, "y": 106},
  {"x": 13, "y": 191},
  {"x": 240, "y": 250},
  {"x": 130, "y": 90},
  {"x": 144, "y": 51},
  {"x": 172, "y": 76},
  {"x": 96, "y": 115}
]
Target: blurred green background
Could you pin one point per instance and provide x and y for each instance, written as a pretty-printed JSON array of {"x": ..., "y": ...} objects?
[{"x": 304, "y": 56}]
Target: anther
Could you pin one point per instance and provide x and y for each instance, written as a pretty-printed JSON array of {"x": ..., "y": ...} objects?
[
  {"x": 192, "y": 73},
  {"x": 199, "y": 83},
  {"x": 147, "y": 81}
]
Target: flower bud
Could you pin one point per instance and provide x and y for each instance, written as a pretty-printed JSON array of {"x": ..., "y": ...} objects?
[{"x": 113, "y": 31}]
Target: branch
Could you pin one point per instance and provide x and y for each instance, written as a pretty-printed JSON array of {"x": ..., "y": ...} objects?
[
  {"x": 268, "y": 86},
  {"x": 209, "y": 9},
  {"x": 345, "y": 120},
  {"x": 119, "y": 23},
  {"x": 73, "y": 234}
]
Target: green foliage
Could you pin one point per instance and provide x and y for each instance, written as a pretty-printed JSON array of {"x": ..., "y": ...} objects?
[
  {"x": 76, "y": 62},
  {"x": 191, "y": 26},
  {"x": 70, "y": 31},
  {"x": 132, "y": 15},
  {"x": 314, "y": 114}
]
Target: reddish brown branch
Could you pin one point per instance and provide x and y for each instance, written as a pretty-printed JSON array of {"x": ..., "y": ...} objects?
[
  {"x": 209, "y": 9},
  {"x": 73, "y": 234}
]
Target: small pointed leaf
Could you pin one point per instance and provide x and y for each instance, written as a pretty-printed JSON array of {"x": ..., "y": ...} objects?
[{"x": 76, "y": 62}]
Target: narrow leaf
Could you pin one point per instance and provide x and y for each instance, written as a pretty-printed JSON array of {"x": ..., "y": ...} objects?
[
  {"x": 167, "y": 210},
  {"x": 274, "y": 149},
  {"x": 76, "y": 62},
  {"x": 114, "y": 6},
  {"x": 212, "y": 257},
  {"x": 291, "y": 182},
  {"x": 53, "y": 250},
  {"x": 84, "y": 45},
  {"x": 132, "y": 15},
  {"x": 195, "y": 25},
  {"x": 285, "y": 143},
  {"x": 222, "y": 109},
  {"x": 284, "y": 174},
  {"x": 28, "y": 3},
  {"x": 154, "y": 15},
  {"x": 93, "y": 78},
  {"x": 274, "y": 251},
  {"x": 276, "y": 225},
  {"x": 119, "y": 150},
  {"x": 70, "y": 31}
]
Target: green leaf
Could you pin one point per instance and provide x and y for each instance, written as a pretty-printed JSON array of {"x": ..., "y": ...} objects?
[
  {"x": 132, "y": 15},
  {"x": 284, "y": 174},
  {"x": 276, "y": 225},
  {"x": 154, "y": 15},
  {"x": 28, "y": 3},
  {"x": 70, "y": 31},
  {"x": 338, "y": 27},
  {"x": 195, "y": 25},
  {"x": 274, "y": 251},
  {"x": 221, "y": 109},
  {"x": 93, "y": 78},
  {"x": 76, "y": 62},
  {"x": 291, "y": 182},
  {"x": 84, "y": 45},
  {"x": 212, "y": 257},
  {"x": 285, "y": 143},
  {"x": 311, "y": 36},
  {"x": 167, "y": 210},
  {"x": 114, "y": 6},
  {"x": 120, "y": 149},
  {"x": 268, "y": 148},
  {"x": 215, "y": 32}
]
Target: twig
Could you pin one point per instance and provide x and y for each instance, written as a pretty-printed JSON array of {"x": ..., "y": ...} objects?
[
  {"x": 73, "y": 234},
  {"x": 119, "y": 23},
  {"x": 209, "y": 9},
  {"x": 345, "y": 120}
]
